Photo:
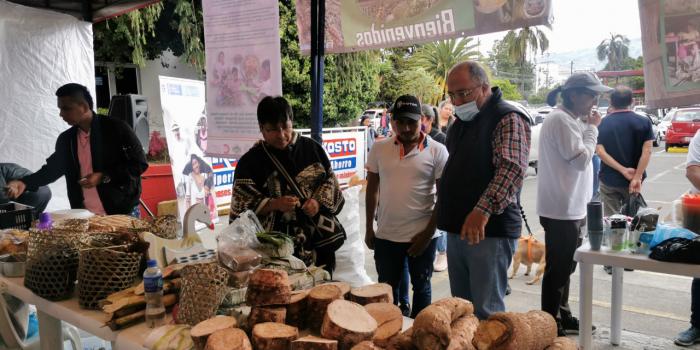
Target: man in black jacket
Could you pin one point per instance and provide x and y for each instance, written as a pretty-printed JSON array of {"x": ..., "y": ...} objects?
[
  {"x": 37, "y": 199},
  {"x": 477, "y": 205},
  {"x": 100, "y": 157}
]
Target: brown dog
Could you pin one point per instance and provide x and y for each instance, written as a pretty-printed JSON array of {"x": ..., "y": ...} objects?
[{"x": 530, "y": 251}]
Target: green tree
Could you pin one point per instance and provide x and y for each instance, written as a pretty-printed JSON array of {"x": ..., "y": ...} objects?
[
  {"x": 503, "y": 66},
  {"x": 614, "y": 49},
  {"x": 438, "y": 57},
  {"x": 509, "y": 90},
  {"x": 522, "y": 43},
  {"x": 137, "y": 36}
]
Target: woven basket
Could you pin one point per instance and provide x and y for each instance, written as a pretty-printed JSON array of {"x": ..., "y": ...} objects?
[
  {"x": 52, "y": 263},
  {"x": 203, "y": 289},
  {"x": 165, "y": 226},
  {"x": 104, "y": 268}
]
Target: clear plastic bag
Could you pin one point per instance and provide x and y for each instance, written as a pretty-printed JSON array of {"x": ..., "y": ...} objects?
[{"x": 236, "y": 243}]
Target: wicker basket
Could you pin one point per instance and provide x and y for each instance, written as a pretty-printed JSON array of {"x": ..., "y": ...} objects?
[
  {"x": 52, "y": 263},
  {"x": 104, "y": 268},
  {"x": 203, "y": 289},
  {"x": 165, "y": 226}
]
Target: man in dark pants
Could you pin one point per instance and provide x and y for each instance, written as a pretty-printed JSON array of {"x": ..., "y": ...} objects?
[
  {"x": 488, "y": 146},
  {"x": 37, "y": 199},
  {"x": 402, "y": 173},
  {"x": 564, "y": 186},
  {"x": 100, "y": 157}
]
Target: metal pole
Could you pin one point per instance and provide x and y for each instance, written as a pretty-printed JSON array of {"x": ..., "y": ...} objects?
[{"x": 318, "y": 14}]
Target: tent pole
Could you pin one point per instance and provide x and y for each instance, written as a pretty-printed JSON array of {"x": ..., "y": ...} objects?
[{"x": 318, "y": 14}]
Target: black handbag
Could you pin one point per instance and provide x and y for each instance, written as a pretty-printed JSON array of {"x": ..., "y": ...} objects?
[
  {"x": 324, "y": 231},
  {"x": 634, "y": 203}
]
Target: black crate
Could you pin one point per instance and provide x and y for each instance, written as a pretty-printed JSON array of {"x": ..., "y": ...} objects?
[{"x": 15, "y": 215}]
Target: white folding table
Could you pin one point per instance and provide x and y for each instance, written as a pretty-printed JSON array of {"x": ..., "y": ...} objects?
[
  {"x": 50, "y": 314},
  {"x": 619, "y": 261}
]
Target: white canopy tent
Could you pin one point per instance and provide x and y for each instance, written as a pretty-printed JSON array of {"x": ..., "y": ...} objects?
[{"x": 40, "y": 51}]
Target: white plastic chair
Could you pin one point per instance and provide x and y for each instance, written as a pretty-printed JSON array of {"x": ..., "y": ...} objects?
[{"x": 14, "y": 342}]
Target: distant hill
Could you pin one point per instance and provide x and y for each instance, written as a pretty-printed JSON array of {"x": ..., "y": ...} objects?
[{"x": 586, "y": 59}]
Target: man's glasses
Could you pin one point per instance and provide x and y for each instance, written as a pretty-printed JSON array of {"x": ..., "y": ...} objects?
[{"x": 461, "y": 94}]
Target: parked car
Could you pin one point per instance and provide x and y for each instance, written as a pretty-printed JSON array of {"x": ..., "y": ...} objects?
[
  {"x": 684, "y": 123},
  {"x": 375, "y": 117},
  {"x": 664, "y": 124},
  {"x": 654, "y": 127}
]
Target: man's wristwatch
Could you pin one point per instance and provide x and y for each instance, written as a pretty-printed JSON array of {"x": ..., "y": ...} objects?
[{"x": 106, "y": 179}]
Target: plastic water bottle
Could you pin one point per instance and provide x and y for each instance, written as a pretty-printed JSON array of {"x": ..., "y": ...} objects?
[{"x": 153, "y": 288}]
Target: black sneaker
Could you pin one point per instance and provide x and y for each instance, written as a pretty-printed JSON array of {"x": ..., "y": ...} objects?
[
  {"x": 571, "y": 326},
  {"x": 608, "y": 269},
  {"x": 508, "y": 290},
  {"x": 560, "y": 330},
  {"x": 405, "y": 309}
]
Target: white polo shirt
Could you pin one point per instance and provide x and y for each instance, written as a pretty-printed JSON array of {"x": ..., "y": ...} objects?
[{"x": 407, "y": 191}]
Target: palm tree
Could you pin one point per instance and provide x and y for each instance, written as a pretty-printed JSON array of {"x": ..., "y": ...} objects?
[
  {"x": 615, "y": 50},
  {"x": 525, "y": 41},
  {"x": 438, "y": 57}
]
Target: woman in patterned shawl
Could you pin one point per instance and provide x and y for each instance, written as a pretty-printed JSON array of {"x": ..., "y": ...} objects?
[{"x": 259, "y": 187}]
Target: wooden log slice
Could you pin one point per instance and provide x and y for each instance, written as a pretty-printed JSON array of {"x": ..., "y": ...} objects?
[
  {"x": 317, "y": 302},
  {"x": 366, "y": 345},
  {"x": 344, "y": 288},
  {"x": 229, "y": 338},
  {"x": 314, "y": 343},
  {"x": 274, "y": 336},
  {"x": 296, "y": 309},
  {"x": 268, "y": 279},
  {"x": 261, "y": 314},
  {"x": 373, "y": 293},
  {"x": 389, "y": 321},
  {"x": 255, "y": 297},
  {"x": 202, "y": 330},
  {"x": 348, "y": 323}
]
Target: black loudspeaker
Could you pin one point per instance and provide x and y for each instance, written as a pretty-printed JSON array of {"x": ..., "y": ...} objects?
[{"x": 133, "y": 110}]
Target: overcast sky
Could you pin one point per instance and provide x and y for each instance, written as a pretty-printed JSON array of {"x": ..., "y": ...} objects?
[{"x": 581, "y": 24}]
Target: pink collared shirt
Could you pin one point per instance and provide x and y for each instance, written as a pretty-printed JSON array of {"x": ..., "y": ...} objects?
[{"x": 91, "y": 199}]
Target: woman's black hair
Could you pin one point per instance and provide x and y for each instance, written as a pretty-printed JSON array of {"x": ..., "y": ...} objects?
[
  {"x": 274, "y": 110},
  {"x": 203, "y": 166}
]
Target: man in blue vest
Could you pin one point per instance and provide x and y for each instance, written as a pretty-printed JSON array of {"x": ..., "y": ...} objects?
[{"x": 488, "y": 146}]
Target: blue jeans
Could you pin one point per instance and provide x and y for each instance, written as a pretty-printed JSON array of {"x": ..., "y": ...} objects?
[
  {"x": 480, "y": 272},
  {"x": 390, "y": 260},
  {"x": 695, "y": 303},
  {"x": 596, "y": 177},
  {"x": 442, "y": 242}
]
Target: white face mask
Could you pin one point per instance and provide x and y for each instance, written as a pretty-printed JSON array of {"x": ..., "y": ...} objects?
[{"x": 466, "y": 112}]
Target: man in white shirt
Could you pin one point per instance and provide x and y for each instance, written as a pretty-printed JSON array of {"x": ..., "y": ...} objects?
[
  {"x": 692, "y": 171},
  {"x": 402, "y": 173},
  {"x": 564, "y": 186}
]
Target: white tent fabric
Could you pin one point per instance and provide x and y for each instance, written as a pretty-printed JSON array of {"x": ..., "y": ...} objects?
[{"x": 40, "y": 50}]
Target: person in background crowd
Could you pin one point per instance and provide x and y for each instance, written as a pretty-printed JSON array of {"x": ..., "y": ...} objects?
[
  {"x": 488, "y": 145},
  {"x": 446, "y": 115},
  {"x": 625, "y": 141},
  {"x": 692, "y": 171},
  {"x": 429, "y": 122},
  {"x": 37, "y": 199},
  {"x": 259, "y": 187},
  {"x": 567, "y": 144},
  {"x": 402, "y": 172},
  {"x": 371, "y": 132},
  {"x": 100, "y": 157}
]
